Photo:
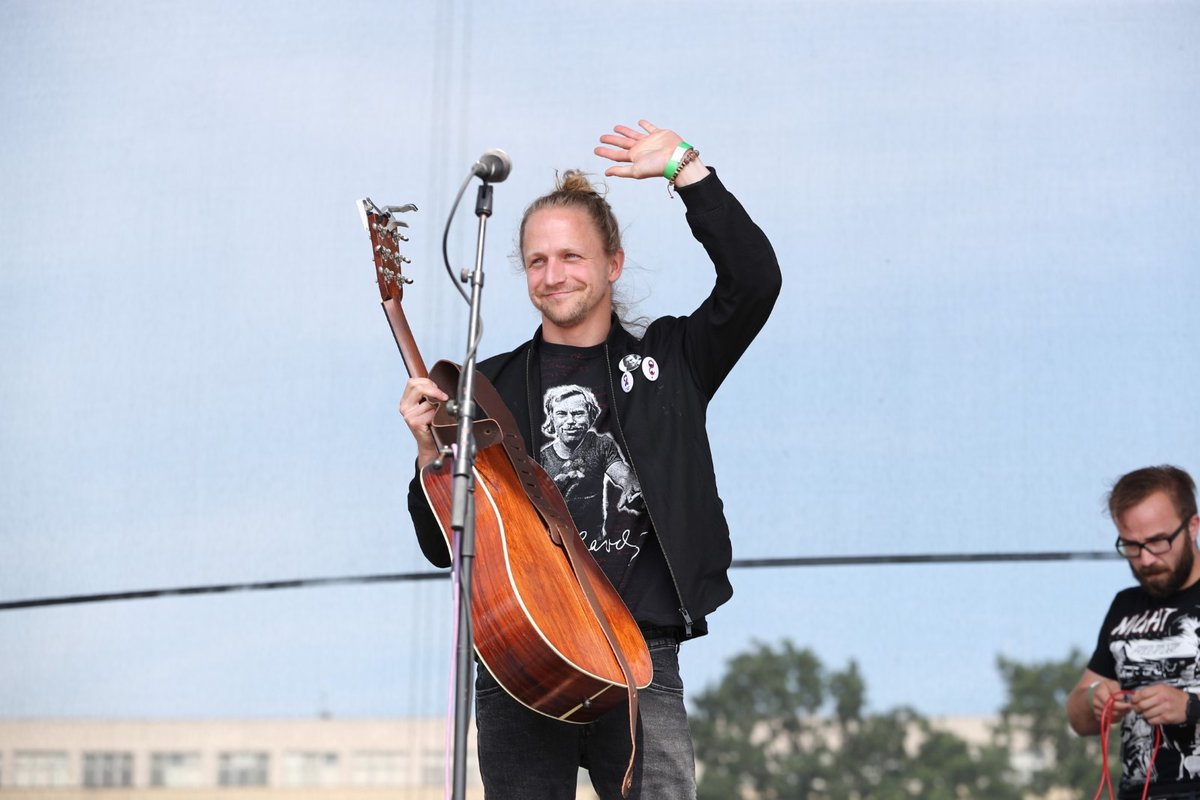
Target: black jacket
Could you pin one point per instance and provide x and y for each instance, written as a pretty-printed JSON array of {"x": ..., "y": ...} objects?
[{"x": 661, "y": 423}]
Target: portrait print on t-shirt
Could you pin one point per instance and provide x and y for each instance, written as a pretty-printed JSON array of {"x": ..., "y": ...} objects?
[{"x": 594, "y": 477}]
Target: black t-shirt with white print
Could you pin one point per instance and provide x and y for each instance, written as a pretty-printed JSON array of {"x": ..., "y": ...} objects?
[
  {"x": 576, "y": 445},
  {"x": 1147, "y": 640}
]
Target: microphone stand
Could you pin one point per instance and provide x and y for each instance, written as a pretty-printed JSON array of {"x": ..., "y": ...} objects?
[{"x": 462, "y": 510}]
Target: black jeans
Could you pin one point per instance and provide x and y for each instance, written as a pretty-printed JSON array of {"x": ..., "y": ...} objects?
[{"x": 524, "y": 755}]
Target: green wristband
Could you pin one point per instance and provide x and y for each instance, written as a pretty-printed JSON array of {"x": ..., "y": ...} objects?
[{"x": 673, "y": 165}]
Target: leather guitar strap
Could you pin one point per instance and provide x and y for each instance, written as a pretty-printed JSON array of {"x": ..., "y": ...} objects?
[{"x": 554, "y": 512}]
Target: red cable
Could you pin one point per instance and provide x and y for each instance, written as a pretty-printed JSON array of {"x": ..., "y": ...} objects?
[{"x": 1105, "y": 729}]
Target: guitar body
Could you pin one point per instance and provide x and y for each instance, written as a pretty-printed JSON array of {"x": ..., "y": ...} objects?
[{"x": 535, "y": 629}]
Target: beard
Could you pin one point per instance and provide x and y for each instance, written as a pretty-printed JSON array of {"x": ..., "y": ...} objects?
[
  {"x": 570, "y": 311},
  {"x": 1166, "y": 581}
]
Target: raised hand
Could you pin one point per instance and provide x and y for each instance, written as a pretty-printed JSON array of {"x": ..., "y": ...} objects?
[{"x": 642, "y": 155}]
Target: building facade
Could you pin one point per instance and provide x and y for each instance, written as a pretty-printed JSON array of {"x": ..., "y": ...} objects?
[{"x": 67, "y": 759}]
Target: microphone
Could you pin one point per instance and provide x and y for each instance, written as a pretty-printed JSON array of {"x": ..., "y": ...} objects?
[{"x": 494, "y": 165}]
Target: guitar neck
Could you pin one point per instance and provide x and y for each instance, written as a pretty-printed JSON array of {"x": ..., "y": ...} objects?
[
  {"x": 386, "y": 230},
  {"x": 404, "y": 339}
]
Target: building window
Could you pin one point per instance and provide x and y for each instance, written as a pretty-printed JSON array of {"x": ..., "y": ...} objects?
[
  {"x": 40, "y": 768},
  {"x": 310, "y": 769},
  {"x": 108, "y": 769},
  {"x": 380, "y": 768},
  {"x": 243, "y": 769},
  {"x": 175, "y": 769}
]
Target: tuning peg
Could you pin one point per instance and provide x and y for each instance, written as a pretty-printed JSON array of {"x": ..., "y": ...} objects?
[
  {"x": 394, "y": 277},
  {"x": 393, "y": 256},
  {"x": 404, "y": 209}
]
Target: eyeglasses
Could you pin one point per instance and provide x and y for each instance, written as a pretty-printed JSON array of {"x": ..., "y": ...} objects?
[{"x": 1155, "y": 545}]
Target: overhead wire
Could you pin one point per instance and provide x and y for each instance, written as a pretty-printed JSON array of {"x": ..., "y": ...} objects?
[{"x": 747, "y": 563}]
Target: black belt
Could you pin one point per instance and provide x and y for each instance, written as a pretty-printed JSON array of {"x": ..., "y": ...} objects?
[{"x": 674, "y": 633}]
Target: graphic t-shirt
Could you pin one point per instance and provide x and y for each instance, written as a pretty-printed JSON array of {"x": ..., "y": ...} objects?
[
  {"x": 577, "y": 447},
  {"x": 1147, "y": 640}
]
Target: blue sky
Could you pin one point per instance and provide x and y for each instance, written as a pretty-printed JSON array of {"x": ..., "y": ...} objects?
[{"x": 985, "y": 213}]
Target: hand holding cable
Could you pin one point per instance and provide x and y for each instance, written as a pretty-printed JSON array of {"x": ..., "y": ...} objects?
[
  {"x": 1161, "y": 704},
  {"x": 1112, "y": 700},
  {"x": 1108, "y": 694}
]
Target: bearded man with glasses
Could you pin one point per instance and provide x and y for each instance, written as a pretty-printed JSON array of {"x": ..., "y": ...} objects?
[{"x": 1147, "y": 660}]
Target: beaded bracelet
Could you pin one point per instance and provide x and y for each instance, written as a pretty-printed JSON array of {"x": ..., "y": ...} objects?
[
  {"x": 673, "y": 165},
  {"x": 688, "y": 157},
  {"x": 691, "y": 155}
]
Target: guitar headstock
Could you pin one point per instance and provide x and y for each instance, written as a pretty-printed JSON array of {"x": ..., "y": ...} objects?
[{"x": 386, "y": 231}]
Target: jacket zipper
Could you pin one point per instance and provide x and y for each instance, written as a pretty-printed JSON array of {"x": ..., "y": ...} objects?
[{"x": 612, "y": 394}]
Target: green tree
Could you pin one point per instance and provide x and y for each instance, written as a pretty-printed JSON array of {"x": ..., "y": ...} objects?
[
  {"x": 1033, "y": 727},
  {"x": 779, "y": 725},
  {"x": 756, "y": 732}
]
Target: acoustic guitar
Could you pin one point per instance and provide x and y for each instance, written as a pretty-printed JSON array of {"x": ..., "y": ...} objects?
[{"x": 548, "y": 624}]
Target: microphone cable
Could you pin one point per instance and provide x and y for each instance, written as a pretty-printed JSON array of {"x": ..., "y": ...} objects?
[{"x": 1106, "y": 721}]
